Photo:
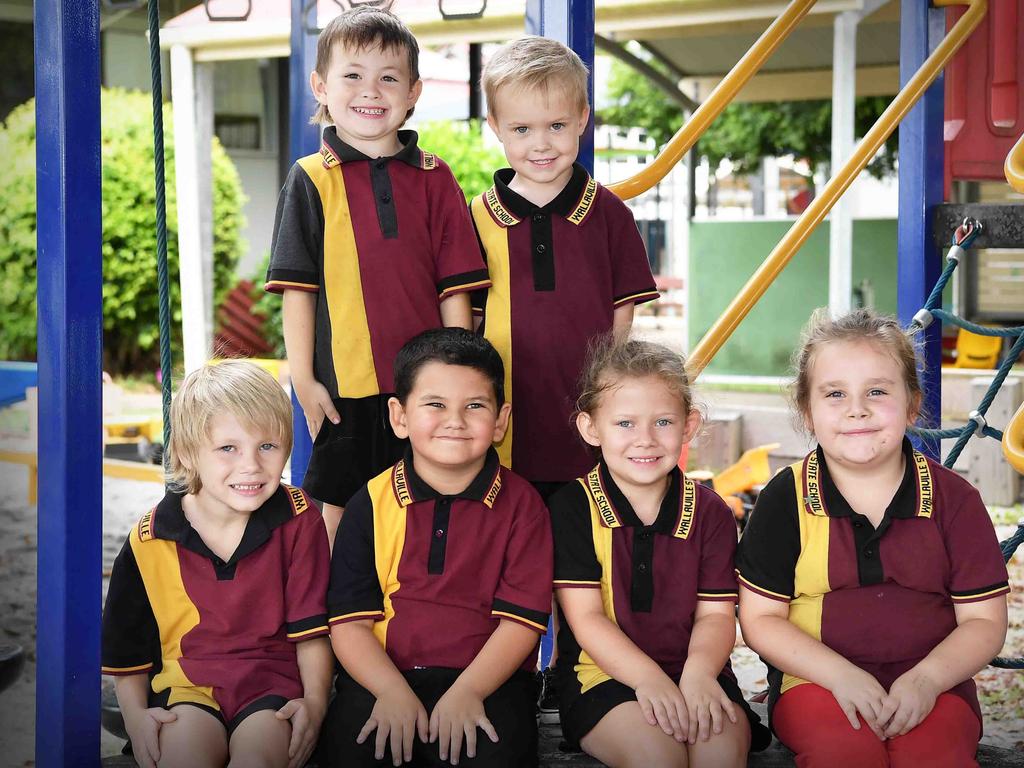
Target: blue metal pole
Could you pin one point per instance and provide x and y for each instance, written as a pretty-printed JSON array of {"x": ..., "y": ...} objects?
[
  {"x": 571, "y": 22},
  {"x": 69, "y": 238},
  {"x": 304, "y": 139},
  {"x": 920, "y": 190}
]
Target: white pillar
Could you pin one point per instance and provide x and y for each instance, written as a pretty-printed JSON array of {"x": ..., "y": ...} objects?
[
  {"x": 194, "y": 307},
  {"x": 844, "y": 84}
]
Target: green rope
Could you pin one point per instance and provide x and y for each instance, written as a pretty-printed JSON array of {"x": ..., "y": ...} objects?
[
  {"x": 980, "y": 330},
  {"x": 161, "y": 219}
]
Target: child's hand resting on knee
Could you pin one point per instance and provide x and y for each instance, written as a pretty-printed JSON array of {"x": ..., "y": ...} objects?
[
  {"x": 706, "y": 705},
  {"x": 858, "y": 691},
  {"x": 911, "y": 697},
  {"x": 662, "y": 705},
  {"x": 143, "y": 727},
  {"x": 459, "y": 713},
  {"x": 400, "y": 715},
  {"x": 305, "y": 717}
]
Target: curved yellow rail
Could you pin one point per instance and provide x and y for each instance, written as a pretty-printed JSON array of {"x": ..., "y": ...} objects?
[
  {"x": 716, "y": 101},
  {"x": 1014, "y": 167},
  {"x": 837, "y": 185},
  {"x": 1013, "y": 440}
]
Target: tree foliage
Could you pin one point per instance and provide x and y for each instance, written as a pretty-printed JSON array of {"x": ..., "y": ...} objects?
[
  {"x": 461, "y": 146},
  {"x": 745, "y": 132},
  {"x": 130, "y": 299}
]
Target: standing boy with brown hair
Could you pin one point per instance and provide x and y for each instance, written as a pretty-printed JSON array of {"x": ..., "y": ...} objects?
[{"x": 372, "y": 244}]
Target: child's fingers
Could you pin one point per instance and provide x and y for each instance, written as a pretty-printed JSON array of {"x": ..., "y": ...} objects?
[
  {"x": 487, "y": 727},
  {"x": 703, "y": 723},
  {"x": 328, "y": 408},
  {"x": 470, "y": 733},
  {"x": 313, "y": 426},
  {"x": 408, "y": 736},
  {"x": 380, "y": 743},
  {"x": 455, "y": 747},
  {"x": 648, "y": 711},
  {"x": 729, "y": 708},
  {"x": 444, "y": 737},
  {"x": 423, "y": 726},
  {"x": 661, "y": 715},
  {"x": 851, "y": 714},
  {"x": 163, "y": 715},
  {"x": 684, "y": 720},
  {"x": 396, "y": 743},
  {"x": 149, "y": 754},
  {"x": 368, "y": 727},
  {"x": 433, "y": 727},
  {"x": 152, "y": 746},
  {"x": 889, "y": 706},
  {"x": 717, "y": 714},
  {"x": 286, "y": 712}
]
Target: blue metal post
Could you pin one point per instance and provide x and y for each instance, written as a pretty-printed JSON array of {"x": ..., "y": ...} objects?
[
  {"x": 571, "y": 22},
  {"x": 920, "y": 189},
  {"x": 69, "y": 238},
  {"x": 304, "y": 140}
]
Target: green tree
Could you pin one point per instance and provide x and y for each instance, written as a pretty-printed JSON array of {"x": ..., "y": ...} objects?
[
  {"x": 744, "y": 132},
  {"x": 461, "y": 146},
  {"x": 130, "y": 299}
]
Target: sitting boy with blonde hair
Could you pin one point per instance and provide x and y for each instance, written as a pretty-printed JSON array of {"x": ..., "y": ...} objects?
[{"x": 215, "y": 618}]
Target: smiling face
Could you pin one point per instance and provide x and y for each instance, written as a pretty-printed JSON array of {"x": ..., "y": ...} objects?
[
  {"x": 368, "y": 92},
  {"x": 239, "y": 469},
  {"x": 859, "y": 406},
  {"x": 640, "y": 425},
  {"x": 540, "y": 131},
  {"x": 451, "y": 416}
]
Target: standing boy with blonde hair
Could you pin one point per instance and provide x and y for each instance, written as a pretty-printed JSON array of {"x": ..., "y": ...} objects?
[
  {"x": 565, "y": 256},
  {"x": 372, "y": 244}
]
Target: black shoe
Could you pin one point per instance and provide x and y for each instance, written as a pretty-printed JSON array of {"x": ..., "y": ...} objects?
[{"x": 547, "y": 704}]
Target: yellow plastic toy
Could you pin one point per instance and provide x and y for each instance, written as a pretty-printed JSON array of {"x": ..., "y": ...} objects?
[
  {"x": 1013, "y": 440},
  {"x": 975, "y": 351}
]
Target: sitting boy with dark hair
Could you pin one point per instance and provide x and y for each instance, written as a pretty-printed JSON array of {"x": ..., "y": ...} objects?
[{"x": 440, "y": 578}]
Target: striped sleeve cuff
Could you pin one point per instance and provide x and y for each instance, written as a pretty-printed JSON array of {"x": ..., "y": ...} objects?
[
  {"x": 718, "y": 595},
  {"x": 762, "y": 591},
  {"x": 637, "y": 298},
  {"x": 344, "y": 618},
  {"x": 467, "y": 281},
  {"x": 281, "y": 280},
  {"x": 124, "y": 671},
  {"x": 535, "y": 620},
  {"x": 978, "y": 595},
  {"x": 306, "y": 629},
  {"x": 576, "y": 584}
]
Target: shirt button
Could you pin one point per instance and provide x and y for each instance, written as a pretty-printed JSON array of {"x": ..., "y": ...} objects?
[
  {"x": 541, "y": 248},
  {"x": 858, "y": 524},
  {"x": 642, "y": 567},
  {"x": 381, "y": 163},
  {"x": 869, "y": 552},
  {"x": 439, "y": 533},
  {"x": 385, "y": 198},
  {"x": 538, "y": 217}
]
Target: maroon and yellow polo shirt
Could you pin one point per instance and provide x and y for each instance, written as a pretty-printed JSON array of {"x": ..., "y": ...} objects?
[
  {"x": 558, "y": 272},
  {"x": 651, "y": 577},
  {"x": 212, "y": 632},
  {"x": 436, "y": 573},
  {"x": 881, "y": 597},
  {"x": 381, "y": 242}
]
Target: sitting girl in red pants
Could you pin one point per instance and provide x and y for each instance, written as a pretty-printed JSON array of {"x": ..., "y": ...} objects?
[{"x": 871, "y": 580}]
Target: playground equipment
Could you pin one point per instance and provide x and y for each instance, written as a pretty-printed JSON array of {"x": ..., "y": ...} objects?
[{"x": 67, "y": 87}]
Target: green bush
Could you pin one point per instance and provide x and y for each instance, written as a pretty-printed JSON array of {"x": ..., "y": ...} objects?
[
  {"x": 130, "y": 299},
  {"x": 461, "y": 146}
]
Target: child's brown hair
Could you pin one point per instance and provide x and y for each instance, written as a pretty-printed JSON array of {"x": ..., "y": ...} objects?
[
  {"x": 609, "y": 361},
  {"x": 238, "y": 387},
  {"x": 860, "y": 325},
  {"x": 359, "y": 28},
  {"x": 535, "y": 64}
]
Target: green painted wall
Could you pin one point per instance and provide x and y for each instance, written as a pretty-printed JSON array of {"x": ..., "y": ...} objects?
[{"x": 723, "y": 256}]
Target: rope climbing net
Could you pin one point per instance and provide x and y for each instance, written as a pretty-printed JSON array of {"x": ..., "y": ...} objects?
[{"x": 976, "y": 425}]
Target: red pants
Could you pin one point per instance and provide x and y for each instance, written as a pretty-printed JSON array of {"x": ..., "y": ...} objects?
[{"x": 809, "y": 721}]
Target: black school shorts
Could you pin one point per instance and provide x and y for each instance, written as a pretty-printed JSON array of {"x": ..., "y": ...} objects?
[
  {"x": 580, "y": 712},
  {"x": 512, "y": 709},
  {"x": 346, "y": 455}
]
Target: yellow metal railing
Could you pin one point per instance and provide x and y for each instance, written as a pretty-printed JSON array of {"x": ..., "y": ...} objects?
[
  {"x": 1014, "y": 167},
  {"x": 838, "y": 184},
  {"x": 716, "y": 101}
]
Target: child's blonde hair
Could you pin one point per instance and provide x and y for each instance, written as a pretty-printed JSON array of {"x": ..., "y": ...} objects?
[
  {"x": 238, "y": 387},
  {"x": 535, "y": 64},
  {"x": 865, "y": 325},
  {"x": 360, "y": 28},
  {"x": 608, "y": 362}
]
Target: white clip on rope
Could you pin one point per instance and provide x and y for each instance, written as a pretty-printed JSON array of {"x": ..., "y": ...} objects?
[
  {"x": 923, "y": 318},
  {"x": 979, "y": 422}
]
